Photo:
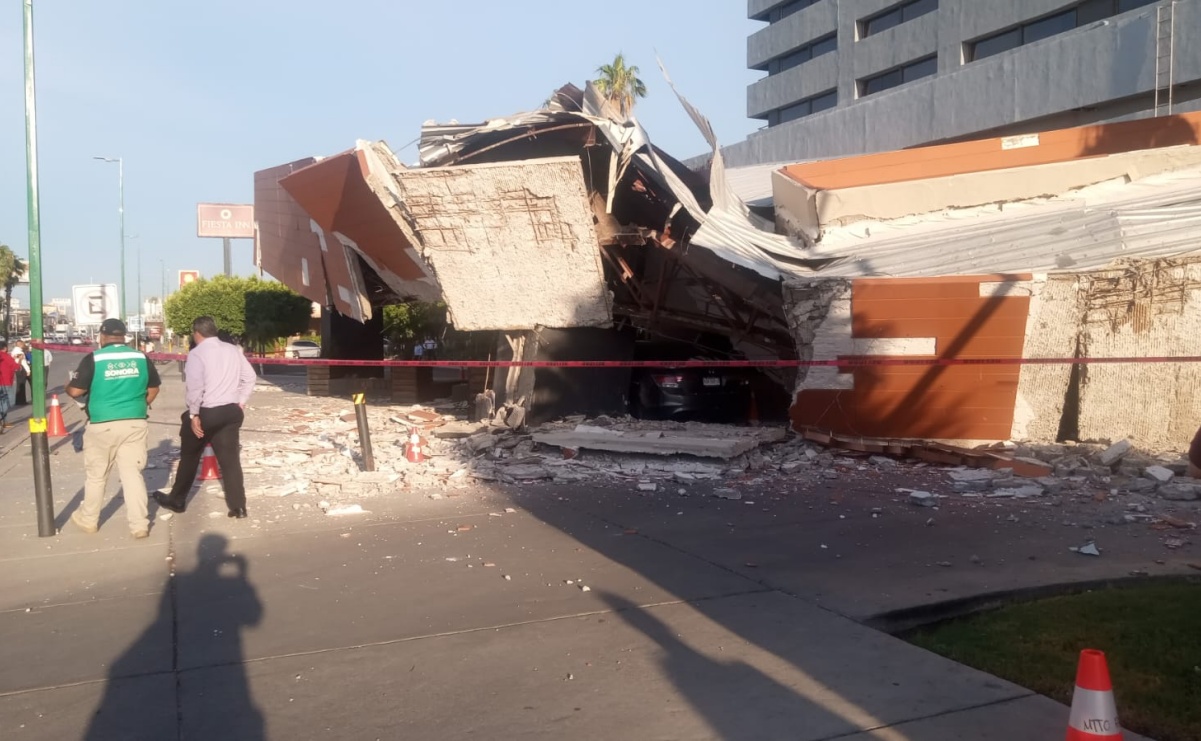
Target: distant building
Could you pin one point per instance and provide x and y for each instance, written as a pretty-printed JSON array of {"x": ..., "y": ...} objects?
[{"x": 853, "y": 76}]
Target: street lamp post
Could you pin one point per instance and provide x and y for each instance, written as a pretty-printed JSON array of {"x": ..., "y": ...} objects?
[
  {"x": 43, "y": 491},
  {"x": 121, "y": 211}
]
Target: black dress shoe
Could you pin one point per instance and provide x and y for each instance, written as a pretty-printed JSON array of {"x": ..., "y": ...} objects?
[
  {"x": 239, "y": 513},
  {"x": 166, "y": 502}
]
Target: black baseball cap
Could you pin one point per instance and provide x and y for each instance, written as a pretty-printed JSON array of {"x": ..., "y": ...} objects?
[{"x": 113, "y": 328}]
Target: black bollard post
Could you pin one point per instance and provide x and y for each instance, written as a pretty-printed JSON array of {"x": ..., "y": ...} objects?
[
  {"x": 360, "y": 413},
  {"x": 43, "y": 493}
]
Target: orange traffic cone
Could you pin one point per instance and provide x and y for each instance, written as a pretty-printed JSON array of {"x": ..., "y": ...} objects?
[
  {"x": 415, "y": 447},
  {"x": 752, "y": 416},
  {"x": 209, "y": 470},
  {"x": 54, "y": 420},
  {"x": 1094, "y": 714}
]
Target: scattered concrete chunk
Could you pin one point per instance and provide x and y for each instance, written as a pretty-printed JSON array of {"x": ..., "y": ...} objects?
[
  {"x": 1179, "y": 492},
  {"x": 727, "y": 494},
  {"x": 480, "y": 442},
  {"x": 971, "y": 475},
  {"x": 1115, "y": 452},
  {"x": 923, "y": 498},
  {"x": 346, "y": 509},
  {"x": 1088, "y": 549},
  {"x": 657, "y": 443},
  {"x": 1159, "y": 473},
  {"x": 1021, "y": 492},
  {"x": 526, "y": 472}
]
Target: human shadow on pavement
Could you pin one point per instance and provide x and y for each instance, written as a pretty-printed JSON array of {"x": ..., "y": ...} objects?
[
  {"x": 231, "y": 605},
  {"x": 737, "y": 700}
]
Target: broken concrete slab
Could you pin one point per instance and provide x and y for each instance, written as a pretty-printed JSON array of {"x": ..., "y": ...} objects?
[
  {"x": 1159, "y": 473},
  {"x": 458, "y": 430},
  {"x": 654, "y": 443},
  {"x": 1115, "y": 452},
  {"x": 1020, "y": 492},
  {"x": 1181, "y": 491}
]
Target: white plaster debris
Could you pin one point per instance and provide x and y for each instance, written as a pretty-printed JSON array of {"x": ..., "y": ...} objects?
[
  {"x": 1028, "y": 491},
  {"x": 304, "y": 460},
  {"x": 1088, "y": 549},
  {"x": 346, "y": 509}
]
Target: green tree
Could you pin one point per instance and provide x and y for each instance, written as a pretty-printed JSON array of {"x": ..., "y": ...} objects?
[
  {"x": 261, "y": 312},
  {"x": 273, "y": 312},
  {"x": 619, "y": 83},
  {"x": 407, "y": 323},
  {"x": 11, "y": 270}
]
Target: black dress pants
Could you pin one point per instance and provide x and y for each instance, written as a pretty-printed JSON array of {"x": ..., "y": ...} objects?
[{"x": 222, "y": 427}]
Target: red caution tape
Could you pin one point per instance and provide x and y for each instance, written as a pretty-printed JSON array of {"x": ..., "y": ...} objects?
[{"x": 856, "y": 362}]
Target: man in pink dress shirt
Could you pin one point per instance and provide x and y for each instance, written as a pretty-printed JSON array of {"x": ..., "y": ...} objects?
[{"x": 218, "y": 383}]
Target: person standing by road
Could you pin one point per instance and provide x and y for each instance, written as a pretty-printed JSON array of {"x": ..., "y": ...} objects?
[
  {"x": 218, "y": 382},
  {"x": 18, "y": 354},
  {"x": 120, "y": 385},
  {"x": 8, "y": 379}
]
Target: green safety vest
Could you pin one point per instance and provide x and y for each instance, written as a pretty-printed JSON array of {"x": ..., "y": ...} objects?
[{"x": 118, "y": 384}]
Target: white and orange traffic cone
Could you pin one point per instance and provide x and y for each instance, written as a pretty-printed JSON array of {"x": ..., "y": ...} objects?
[
  {"x": 54, "y": 420},
  {"x": 209, "y": 470},
  {"x": 415, "y": 447},
  {"x": 1094, "y": 714}
]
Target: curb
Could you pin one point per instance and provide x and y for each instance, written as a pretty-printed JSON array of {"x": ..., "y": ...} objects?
[{"x": 907, "y": 619}]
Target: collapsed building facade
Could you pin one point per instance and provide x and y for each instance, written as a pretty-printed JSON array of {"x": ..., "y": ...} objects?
[{"x": 568, "y": 234}]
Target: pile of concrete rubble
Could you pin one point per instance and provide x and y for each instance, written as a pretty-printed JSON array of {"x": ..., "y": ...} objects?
[{"x": 313, "y": 456}]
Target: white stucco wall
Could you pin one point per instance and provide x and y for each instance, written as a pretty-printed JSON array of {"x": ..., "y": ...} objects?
[{"x": 512, "y": 245}]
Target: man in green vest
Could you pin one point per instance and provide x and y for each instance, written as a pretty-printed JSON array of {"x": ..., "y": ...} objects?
[{"x": 120, "y": 385}]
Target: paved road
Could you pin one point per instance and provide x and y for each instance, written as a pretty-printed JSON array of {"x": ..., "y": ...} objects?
[{"x": 456, "y": 619}]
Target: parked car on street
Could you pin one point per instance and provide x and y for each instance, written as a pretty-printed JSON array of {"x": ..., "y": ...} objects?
[
  {"x": 707, "y": 394},
  {"x": 302, "y": 349}
]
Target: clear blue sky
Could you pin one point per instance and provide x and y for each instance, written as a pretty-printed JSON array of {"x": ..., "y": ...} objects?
[{"x": 197, "y": 96}]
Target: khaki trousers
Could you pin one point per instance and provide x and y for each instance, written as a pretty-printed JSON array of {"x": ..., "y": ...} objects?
[{"x": 122, "y": 442}]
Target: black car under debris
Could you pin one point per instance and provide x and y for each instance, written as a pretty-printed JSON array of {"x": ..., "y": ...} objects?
[{"x": 693, "y": 393}]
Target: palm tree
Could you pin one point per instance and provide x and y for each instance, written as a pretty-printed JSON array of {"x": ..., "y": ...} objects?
[
  {"x": 11, "y": 270},
  {"x": 619, "y": 83}
]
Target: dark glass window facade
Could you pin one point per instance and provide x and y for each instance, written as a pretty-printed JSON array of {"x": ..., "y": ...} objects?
[
  {"x": 799, "y": 56},
  {"x": 807, "y": 107},
  {"x": 1078, "y": 15},
  {"x": 897, "y": 76},
  {"x": 895, "y": 16}
]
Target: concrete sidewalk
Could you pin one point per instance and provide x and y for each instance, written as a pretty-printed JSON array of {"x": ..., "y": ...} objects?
[{"x": 589, "y": 612}]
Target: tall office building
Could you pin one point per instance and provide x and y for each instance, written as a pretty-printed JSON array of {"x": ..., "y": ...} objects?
[{"x": 853, "y": 76}]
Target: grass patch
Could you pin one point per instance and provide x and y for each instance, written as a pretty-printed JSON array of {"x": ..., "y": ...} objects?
[{"x": 1151, "y": 636}]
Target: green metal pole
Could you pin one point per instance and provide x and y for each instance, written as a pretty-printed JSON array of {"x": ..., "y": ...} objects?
[
  {"x": 42, "y": 489},
  {"x": 121, "y": 209}
]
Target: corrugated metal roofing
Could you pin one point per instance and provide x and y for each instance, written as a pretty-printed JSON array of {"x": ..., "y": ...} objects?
[
  {"x": 1159, "y": 216},
  {"x": 753, "y": 183}
]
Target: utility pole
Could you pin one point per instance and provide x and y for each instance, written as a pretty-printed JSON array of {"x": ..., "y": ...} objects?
[
  {"x": 43, "y": 492},
  {"x": 121, "y": 212}
]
